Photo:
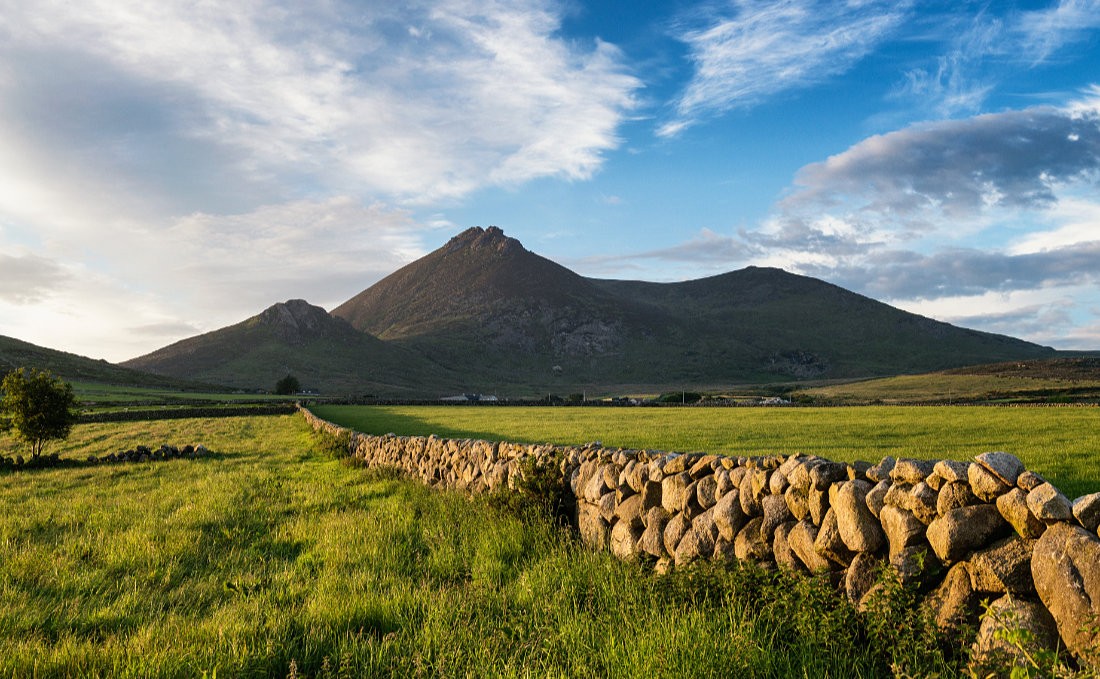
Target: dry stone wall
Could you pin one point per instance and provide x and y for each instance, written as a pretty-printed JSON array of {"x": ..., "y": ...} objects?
[{"x": 963, "y": 532}]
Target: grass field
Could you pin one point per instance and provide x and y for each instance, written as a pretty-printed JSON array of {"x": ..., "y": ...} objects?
[
  {"x": 948, "y": 387},
  {"x": 270, "y": 559},
  {"x": 1063, "y": 444}
]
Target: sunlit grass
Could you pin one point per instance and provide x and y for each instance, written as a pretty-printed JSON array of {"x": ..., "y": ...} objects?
[
  {"x": 1063, "y": 444},
  {"x": 270, "y": 558}
]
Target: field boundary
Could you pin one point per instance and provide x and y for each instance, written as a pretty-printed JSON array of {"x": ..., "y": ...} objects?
[
  {"x": 171, "y": 413},
  {"x": 959, "y": 533}
]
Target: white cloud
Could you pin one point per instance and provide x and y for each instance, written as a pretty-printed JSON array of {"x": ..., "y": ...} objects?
[
  {"x": 754, "y": 50},
  {"x": 1046, "y": 31},
  {"x": 484, "y": 94}
]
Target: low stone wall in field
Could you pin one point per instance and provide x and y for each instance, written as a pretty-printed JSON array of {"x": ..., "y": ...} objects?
[
  {"x": 170, "y": 413},
  {"x": 964, "y": 533}
]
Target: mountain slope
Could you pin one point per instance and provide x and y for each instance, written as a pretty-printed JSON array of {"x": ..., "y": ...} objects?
[
  {"x": 295, "y": 338},
  {"x": 16, "y": 353},
  {"x": 491, "y": 309}
]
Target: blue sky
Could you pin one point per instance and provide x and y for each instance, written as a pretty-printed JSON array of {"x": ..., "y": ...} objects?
[{"x": 171, "y": 167}]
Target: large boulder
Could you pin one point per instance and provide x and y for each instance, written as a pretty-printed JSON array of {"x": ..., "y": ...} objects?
[
  {"x": 859, "y": 529},
  {"x": 1065, "y": 565},
  {"x": 728, "y": 515},
  {"x": 1086, "y": 510},
  {"x": 1013, "y": 507},
  {"x": 992, "y": 651},
  {"x": 801, "y": 541},
  {"x": 903, "y": 529},
  {"x": 829, "y": 544},
  {"x": 955, "y": 603},
  {"x": 1004, "y": 567},
  {"x": 1004, "y": 466},
  {"x": 624, "y": 540},
  {"x": 964, "y": 530},
  {"x": 1048, "y": 504}
]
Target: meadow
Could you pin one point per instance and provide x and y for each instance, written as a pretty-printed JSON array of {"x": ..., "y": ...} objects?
[
  {"x": 271, "y": 557},
  {"x": 1062, "y": 444}
]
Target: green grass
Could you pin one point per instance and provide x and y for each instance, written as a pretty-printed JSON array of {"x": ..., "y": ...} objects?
[
  {"x": 1062, "y": 444},
  {"x": 947, "y": 387},
  {"x": 271, "y": 559}
]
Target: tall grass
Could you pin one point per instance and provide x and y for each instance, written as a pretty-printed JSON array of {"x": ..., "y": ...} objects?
[
  {"x": 271, "y": 558},
  {"x": 1063, "y": 444}
]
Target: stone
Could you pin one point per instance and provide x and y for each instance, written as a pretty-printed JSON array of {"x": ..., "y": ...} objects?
[
  {"x": 954, "y": 495},
  {"x": 1048, "y": 504},
  {"x": 952, "y": 471},
  {"x": 1065, "y": 565},
  {"x": 673, "y": 489},
  {"x": 651, "y": 495},
  {"x": 991, "y": 651},
  {"x": 750, "y": 545},
  {"x": 818, "y": 502},
  {"x": 675, "y": 529},
  {"x": 592, "y": 526},
  {"x": 902, "y": 529},
  {"x": 881, "y": 471},
  {"x": 799, "y": 476},
  {"x": 916, "y": 565},
  {"x": 595, "y": 488},
  {"x": 857, "y": 471},
  {"x": 876, "y": 497},
  {"x": 1029, "y": 481},
  {"x": 777, "y": 483},
  {"x": 760, "y": 481},
  {"x": 1013, "y": 507},
  {"x": 922, "y": 502},
  {"x": 898, "y": 495},
  {"x": 705, "y": 490},
  {"x": 825, "y": 473},
  {"x": 861, "y": 576},
  {"x": 750, "y": 504},
  {"x": 728, "y": 516},
  {"x": 781, "y": 547},
  {"x": 703, "y": 467},
  {"x": 1004, "y": 466},
  {"x": 776, "y": 512},
  {"x": 955, "y": 603},
  {"x": 829, "y": 544},
  {"x": 1086, "y": 509},
  {"x": 964, "y": 530},
  {"x": 724, "y": 551},
  {"x": 624, "y": 540},
  {"x": 705, "y": 523},
  {"x": 607, "y": 506},
  {"x": 1003, "y": 567},
  {"x": 859, "y": 529},
  {"x": 911, "y": 471},
  {"x": 652, "y": 540},
  {"x": 723, "y": 484},
  {"x": 935, "y": 481},
  {"x": 797, "y": 502},
  {"x": 801, "y": 540},
  {"x": 674, "y": 464},
  {"x": 629, "y": 511},
  {"x": 696, "y": 544},
  {"x": 984, "y": 484}
]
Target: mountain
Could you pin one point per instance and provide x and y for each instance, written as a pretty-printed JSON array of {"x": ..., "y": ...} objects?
[
  {"x": 499, "y": 314},
  {"x": 484, "y": 314},
  {"x": 300, "y": 339},
  {"x": 16, "y": 353}
]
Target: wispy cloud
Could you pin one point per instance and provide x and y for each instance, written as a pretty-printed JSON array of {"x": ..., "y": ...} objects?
[
  {"x": 1046, "y": 31},
  {"x": 751, "y": 50},
  {"x": 480, "y": 93}
]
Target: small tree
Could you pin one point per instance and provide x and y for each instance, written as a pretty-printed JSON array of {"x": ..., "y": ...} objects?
[
  {"x": 38, "y": 406},
  {"x": 288, "y": 385}
]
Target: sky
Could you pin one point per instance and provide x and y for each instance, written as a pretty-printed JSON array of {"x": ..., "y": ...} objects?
[{"x": 171, "y": 167}]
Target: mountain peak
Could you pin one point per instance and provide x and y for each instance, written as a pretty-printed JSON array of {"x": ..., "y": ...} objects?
[
  {"x": 476, "y": 238},
  {"x": 296, "y": 320}
]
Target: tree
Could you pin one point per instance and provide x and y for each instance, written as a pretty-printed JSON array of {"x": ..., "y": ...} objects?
[
  {"x": 38, "y": 406},
  {"x": 288, "y": 385}
]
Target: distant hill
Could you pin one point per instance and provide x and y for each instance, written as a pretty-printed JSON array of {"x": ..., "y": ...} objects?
[
  {"x": 300, "y": 339},
  {"x": 1072, "y": 379},
  {"x": 16, "y": 353},
  {"x": 484, "y": 314},
  {"x": 486, "y": 306}
]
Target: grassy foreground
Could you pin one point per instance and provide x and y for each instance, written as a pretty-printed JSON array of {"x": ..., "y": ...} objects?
[
  {"x": 271, "y": 559},
  {"x": 1062, "y": 444}
]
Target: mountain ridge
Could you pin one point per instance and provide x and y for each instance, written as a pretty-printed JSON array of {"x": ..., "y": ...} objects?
[{"x": 483, "y": 313}]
